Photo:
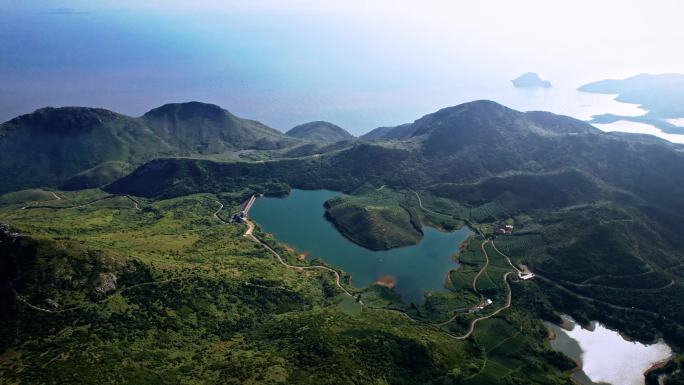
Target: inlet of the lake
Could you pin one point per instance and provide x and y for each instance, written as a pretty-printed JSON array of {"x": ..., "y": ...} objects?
[
  {"x": 606, "y": 357},
  {"x": 298, "y": 221}
]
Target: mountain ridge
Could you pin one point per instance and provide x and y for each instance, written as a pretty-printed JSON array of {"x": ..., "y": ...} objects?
[
  {"x": 52, "y": 145},
  {"x": 320, "y": 131}
]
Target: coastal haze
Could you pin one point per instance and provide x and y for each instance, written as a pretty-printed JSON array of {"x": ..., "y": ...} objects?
[
  {"x": 357, "y": 64},
  {"x": 342, "y": 192}
]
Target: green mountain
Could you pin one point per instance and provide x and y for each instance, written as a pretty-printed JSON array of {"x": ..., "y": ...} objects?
[
  {"x": 475, "y": 154},
  {"x": 320, "y": 132},
  {"x": 577, "y": 191},
  {"x": 147, "y": 274},
  {"x": 76, "y": 146},
  {"x": 208, "y": 129}
]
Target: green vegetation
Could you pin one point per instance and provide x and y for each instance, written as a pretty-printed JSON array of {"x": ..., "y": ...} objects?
[
  {"x": 26, "y": 196},
  {"x": 170, "y": 294},
  {"x": 89, "y": 147},
  {"x": 320, "y": 132},
  {"x": 597, "y": 217},
  {"x": 100, "y": 175},
  {"x": 374, "y": 222},
  {"x": 582, "y": 216}
]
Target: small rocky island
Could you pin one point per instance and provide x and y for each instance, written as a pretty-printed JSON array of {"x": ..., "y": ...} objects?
[{"x": 530, "y": 80}]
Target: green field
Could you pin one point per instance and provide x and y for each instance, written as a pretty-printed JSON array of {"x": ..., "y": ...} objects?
[{"x": 195, "y": 302}]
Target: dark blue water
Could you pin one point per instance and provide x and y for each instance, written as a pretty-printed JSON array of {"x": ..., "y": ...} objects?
[{"x": 299, "y": 222}]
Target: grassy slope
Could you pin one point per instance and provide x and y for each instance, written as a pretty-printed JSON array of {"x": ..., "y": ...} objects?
[
  {"x": 88, "y": 147},
  {"x": 198, "y": 303},
  {"x": 324, "y": 132},
  {"x": 374, "y": 221}
]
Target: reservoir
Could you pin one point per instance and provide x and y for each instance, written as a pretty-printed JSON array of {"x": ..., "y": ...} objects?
[
  {"x": 298, "y": 221},
  {"x": 606, "y": 357}
]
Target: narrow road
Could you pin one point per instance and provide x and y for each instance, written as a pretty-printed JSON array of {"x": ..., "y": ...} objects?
[
  {"x": 135, "y": 202},
  {"x": 508, "y": 259},
  {"x": 482, "y": 270},
  {"x": 54, "y": 196},
  {"x": 249, "y": 233},
  {"x": 216, "y": 213},
  {"x": 630, "y": 289},
  {"x": 136, "y": 206},
  {"x": 474, "y": 285},
  {"x": 649, "y": 269},
  {"x": 55, "y": 311},
  {"x": 477, "y": 276},
  {"x": 594, "y": 300},
  {"x": 467, "y": 221},
  {"x": 509, "y": 299}
]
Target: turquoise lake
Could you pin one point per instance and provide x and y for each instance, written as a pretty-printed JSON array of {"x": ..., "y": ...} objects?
[{"x": 298, "y": 221}]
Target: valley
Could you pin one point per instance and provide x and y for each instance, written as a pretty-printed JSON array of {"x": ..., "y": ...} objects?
[{"x": 153, "y": 258}]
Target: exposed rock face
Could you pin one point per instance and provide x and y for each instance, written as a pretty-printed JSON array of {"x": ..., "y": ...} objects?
[
  {"x": 107, "y": 283},
  {"x": 53, "y": 304},
  {"x": 7, "y": 234}
]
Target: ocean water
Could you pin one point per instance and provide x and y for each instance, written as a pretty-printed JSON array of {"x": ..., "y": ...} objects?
[
  {"x": 677, "y": 122},
  {"x": 282, "y": 65},
  {"x": 639, "y": 128}
]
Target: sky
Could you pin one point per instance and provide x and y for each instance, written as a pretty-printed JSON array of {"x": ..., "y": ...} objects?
[{"x": 360, "y": 64}]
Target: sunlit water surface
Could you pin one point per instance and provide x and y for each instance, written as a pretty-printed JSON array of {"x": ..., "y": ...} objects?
[
  {"x": 298, "y": 221},
  {"x": 606, "y": 356}
]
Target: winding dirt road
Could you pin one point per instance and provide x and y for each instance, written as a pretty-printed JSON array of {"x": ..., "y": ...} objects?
[
  {"x": 509, "y": 295},
  {"x": 218, "y": 211},
  {"x": 509, "y": 299},
  {"x": 467, "y": 221},
  {"x": 136, "y": 205},
  {"x": 249, "y": 233},
  {"x": 482, "y": 270},
  {"x": 103, "y": 300}
]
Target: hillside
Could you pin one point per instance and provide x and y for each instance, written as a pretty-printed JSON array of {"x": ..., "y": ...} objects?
[
  {"x": 207, "y": 129},
  {"x": 461, "y": 144},
  {"x": 54, "y": 145},
  {"x": 598, "y": 218},
  {"x": 320, "y": 132},
  {"x": 584, "y": 201},
  {"x": 168, "y": 293},
  {"x": 374, "y": 222}
]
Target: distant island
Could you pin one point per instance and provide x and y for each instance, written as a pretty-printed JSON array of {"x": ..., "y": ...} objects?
[
  {"x": 530, "y": 80},
  {"x": 116, "y": 237},
  {"x": 660, "y": 95}
]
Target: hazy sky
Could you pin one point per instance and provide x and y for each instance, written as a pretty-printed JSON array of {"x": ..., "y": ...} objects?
[{"x": 357, "y": 63}]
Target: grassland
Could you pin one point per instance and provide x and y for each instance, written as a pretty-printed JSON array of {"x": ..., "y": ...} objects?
[
  {"x": 374, "y": 221},
  {"x": 196, "y": 302}
]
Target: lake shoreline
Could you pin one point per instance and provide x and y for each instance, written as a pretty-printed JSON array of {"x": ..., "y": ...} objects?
[
  {"x": 604, "y": 356},
  {"x": 299, "y": 221}
]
